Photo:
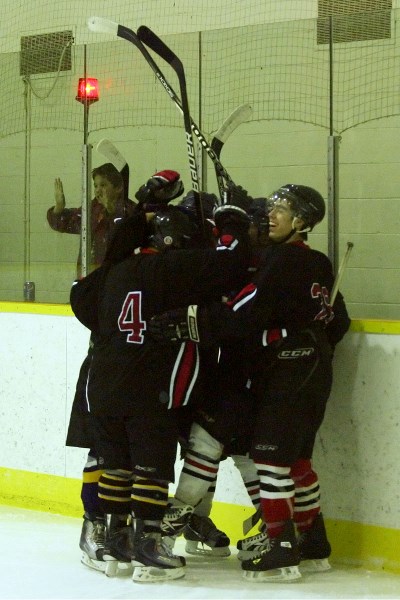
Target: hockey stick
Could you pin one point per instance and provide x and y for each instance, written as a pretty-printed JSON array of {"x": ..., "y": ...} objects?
[
  {"x": 339, "y": 276},
  {"x": 238, "y": 116},
  {"x": 149, "y": 38},
  {"x": 98, "y": 24},
  {"x": 110, "y": 151}
]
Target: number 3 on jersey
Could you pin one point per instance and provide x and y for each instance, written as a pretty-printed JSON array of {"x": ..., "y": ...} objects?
[{"x": 130, "y": 318}]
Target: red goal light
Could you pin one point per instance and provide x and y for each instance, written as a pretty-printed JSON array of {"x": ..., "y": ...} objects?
[{"x": 88, "y": 90}]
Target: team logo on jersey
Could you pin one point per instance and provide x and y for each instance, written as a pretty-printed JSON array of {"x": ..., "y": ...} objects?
[{"x": 296, "y": 353}]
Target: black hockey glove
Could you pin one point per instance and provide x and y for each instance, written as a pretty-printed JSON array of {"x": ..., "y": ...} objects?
[
  {"x": 179, "y": 325},
  {"x": 235, "y": 208},
  {"x": 160, "y": 189}
]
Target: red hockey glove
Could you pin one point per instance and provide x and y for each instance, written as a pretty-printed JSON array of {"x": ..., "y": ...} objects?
[{"x": 161, "y": 188}]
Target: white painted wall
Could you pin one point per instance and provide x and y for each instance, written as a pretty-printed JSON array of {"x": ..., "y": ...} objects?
[{"x": 356, "y": 453}]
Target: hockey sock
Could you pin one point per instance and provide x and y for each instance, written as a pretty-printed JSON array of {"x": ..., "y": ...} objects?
[
  {"x": 251, "y": 480},
  {"x": 149, "y": 501},
  {"x": 203, "y": 509},
  {"x": 115, "y": 492},
  {"x": 307, "y": 494},
  {"x": 89, "y": 491},
  {"x": 249, "y": 475},
  {"x": 200, "y": 466},
  {"x": 277, "y": 496}
]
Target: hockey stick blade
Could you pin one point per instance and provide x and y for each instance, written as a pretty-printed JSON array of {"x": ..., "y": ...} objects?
[
  {"x": 109, "y": 150},
  {"x": 100, "y": 25},
  {"x": 236, "y": 118},
  {"x": 152, "y": 40}
]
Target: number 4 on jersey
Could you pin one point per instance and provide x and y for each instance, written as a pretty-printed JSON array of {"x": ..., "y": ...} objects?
[{"x": 130, "y": 318}]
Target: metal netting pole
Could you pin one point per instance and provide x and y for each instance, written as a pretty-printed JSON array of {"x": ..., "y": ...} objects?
[
  {"x": 333, "y": 168},
  {"x": 86, "y": 185}
]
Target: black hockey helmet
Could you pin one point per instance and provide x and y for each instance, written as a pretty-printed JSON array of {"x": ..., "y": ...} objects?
[
  {"x": 208, "y": 202},
  {"x": 171, "y": 228},
  {"x": 205, "y": 233},
  {"x": 305, "y": 202}
]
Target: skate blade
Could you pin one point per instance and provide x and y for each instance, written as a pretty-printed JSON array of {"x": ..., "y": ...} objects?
[
  {"x": 316, "y": 565},
  {"x": 143, "y": 574},
  {"x": 113, "y": 568},
  {"x": 198, "y": 549},
  {"x": 283, "y": 574},
  {"x": 97, "y": 565}
]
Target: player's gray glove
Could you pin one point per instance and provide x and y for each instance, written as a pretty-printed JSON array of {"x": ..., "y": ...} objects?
[{"x": 179, "y": 325}]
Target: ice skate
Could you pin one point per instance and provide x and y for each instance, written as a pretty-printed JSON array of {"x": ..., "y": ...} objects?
[
  {"x": 203, "y": 538},
  {"x": 176, "y": 518},
  {"x": 118, "y": 546},
  {"x": 153, "y": 561},
  {"x": 92, "y": 542},
  {"x": 314, "y": 547},
  {"x": 252, "y": 546},
  {"x": 277, "y": 561}
]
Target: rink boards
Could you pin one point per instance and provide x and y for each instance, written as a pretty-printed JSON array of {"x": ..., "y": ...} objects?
[{"x": 356, "y": 452}]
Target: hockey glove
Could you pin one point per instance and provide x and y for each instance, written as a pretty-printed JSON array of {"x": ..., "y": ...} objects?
[
  {"x": 179, "y": 325},
  {"x": 235, "y": 208},
  {"x": 160, "y": 189}
]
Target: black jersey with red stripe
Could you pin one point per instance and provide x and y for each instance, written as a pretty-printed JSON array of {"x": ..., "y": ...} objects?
[
  {"x": 290, "y": 291},
  {"x": 128, "y": 366}
]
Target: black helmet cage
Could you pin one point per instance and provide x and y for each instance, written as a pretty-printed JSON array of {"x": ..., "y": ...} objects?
[
  {"x": 305, "y": 202},
  {"x": 171, "y": 228}
]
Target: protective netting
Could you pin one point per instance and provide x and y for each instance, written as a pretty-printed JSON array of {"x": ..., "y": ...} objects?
[{"x": 286, "y": 69}]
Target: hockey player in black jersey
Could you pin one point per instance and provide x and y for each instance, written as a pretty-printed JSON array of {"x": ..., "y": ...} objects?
[
  {"x": 134, "y": 381},
  {"x": 283, "y": 331},
  {"x": 128, "y": 233}
]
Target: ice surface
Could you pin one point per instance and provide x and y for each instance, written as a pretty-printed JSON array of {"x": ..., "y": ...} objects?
[{"x": 40, "y": 558}]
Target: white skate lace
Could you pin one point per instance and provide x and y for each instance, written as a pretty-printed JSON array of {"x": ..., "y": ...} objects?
[
  {"x": 99, "y": 534},
  {"x": 253, "y": 542},
  {"x": 175, "y": 519}
]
